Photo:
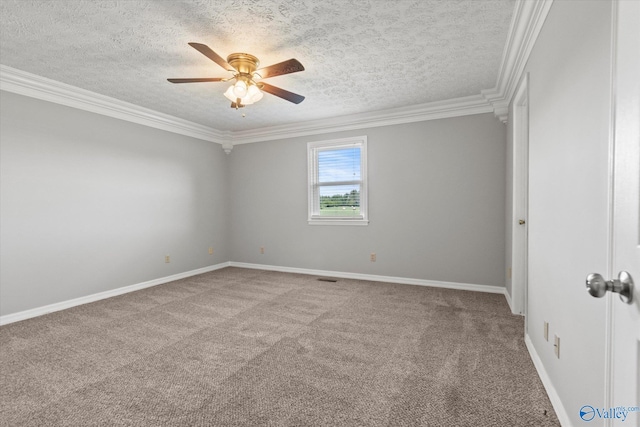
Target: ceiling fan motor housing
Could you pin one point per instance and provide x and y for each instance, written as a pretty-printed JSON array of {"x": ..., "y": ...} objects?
[{"x": 243, "y": 62}]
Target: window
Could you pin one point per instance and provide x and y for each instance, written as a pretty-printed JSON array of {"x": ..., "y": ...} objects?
[{"x": 338, "y": 182}]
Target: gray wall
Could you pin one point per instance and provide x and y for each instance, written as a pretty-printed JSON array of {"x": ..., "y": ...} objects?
[
  {"x": 569, "y": 125},
  {"x": 91, "y": 203},
  {"x": 436, "y": 204}
]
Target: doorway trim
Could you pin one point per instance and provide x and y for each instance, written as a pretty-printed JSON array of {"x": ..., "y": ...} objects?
[{"x": 520, "y": 208}]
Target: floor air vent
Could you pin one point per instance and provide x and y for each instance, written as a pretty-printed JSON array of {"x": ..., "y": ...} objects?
[{"x": 327, "y": 279}]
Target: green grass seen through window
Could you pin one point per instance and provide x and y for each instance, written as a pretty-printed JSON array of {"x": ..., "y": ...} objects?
[{"x": 340, "y": 211}]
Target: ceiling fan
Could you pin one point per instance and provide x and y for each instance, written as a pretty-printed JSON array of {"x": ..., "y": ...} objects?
[{"x": 246, "y": 90}]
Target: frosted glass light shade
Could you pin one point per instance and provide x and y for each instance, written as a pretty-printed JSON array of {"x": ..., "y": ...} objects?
[
  {"x": 240, "y": 89},
  {"x": 254, "y": 93},
  {"x": 229, "y": 94}
]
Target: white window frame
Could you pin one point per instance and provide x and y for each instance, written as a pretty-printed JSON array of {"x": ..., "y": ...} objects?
[{"x": 313, "y": 148}]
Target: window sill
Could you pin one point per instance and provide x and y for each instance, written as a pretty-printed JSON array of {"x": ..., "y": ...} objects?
[{"x": 341, "y": 221}]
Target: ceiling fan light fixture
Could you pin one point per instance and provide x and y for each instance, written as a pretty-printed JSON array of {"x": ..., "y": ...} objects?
[
  {"x": 253, "y": 94},
  {"x": 240, "y": 89}
]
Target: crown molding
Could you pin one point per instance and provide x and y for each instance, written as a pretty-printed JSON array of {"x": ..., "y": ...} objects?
[
  {"x": 23, "y": 83},
  {"x": 415, "y": 113},
  {"x": 528, "y": 19}
]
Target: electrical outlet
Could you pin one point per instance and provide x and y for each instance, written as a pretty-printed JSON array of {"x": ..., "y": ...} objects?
[
  {"x": 167, "y": 259},
  {"x": 546, "y": 331},
  {"x": 262, "y": 250},
  {"x": 556, "y": 346},
  {"x": 210, "y": 251},
  {"x": 373, "y": 257}
]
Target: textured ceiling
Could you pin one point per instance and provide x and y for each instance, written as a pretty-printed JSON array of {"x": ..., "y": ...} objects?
[{"x": 359, "y": 55}]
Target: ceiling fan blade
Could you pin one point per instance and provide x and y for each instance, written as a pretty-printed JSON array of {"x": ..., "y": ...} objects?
[
  {"x": 284, "y": 94},
  {"x": 197, "y": 80},
  {"x": 286, "y": 67},
  {"x": 206, "y": 51}
]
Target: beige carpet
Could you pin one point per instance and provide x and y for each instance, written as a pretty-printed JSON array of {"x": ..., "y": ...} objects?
[{"x": 238, "y": 347}]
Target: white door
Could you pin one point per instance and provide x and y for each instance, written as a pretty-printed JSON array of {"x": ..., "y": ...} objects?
[
  {"x": 625, "y": 325},
  {"x": 623, "y": 316}
]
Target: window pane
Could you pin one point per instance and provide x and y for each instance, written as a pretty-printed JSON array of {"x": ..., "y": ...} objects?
[
  {"x": 339, "y": 165},
  {"x": 337, "y": 178},
  {"x": 340, "y": 200}
]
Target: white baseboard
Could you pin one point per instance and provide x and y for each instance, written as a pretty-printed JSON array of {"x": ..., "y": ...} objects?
[
  {"x": 375, "y": 278},
  {"x": 27, "y": 314},
  {"x": 508, "y": 298},
  {"x": 39, "y": 311},
  {"x": 561, "y": 413}
]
